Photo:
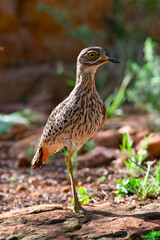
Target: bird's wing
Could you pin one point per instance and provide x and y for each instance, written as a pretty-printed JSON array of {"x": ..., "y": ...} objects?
[
  {"x": 53, "y": 128},
  {"x": 61, "y": 118}
]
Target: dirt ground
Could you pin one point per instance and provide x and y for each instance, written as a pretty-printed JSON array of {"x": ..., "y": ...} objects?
[
  {"x": 51, "y": 185},
  {"x": 21, "y": 187}
]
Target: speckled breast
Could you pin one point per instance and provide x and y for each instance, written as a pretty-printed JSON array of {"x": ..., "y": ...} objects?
[{"x": 87, "y": 121}]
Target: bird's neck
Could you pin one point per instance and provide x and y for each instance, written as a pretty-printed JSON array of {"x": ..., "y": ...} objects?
[{"x": 85, "y": 78}]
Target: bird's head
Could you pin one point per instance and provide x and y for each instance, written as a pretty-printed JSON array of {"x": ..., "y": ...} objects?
[{"x": 93, "y": 57}]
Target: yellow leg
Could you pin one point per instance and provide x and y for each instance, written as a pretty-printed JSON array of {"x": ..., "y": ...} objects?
[{"x": 77, "y": 205}]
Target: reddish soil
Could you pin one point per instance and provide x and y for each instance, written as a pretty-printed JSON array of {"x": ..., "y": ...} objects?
[{"x": 21, "y": 188}]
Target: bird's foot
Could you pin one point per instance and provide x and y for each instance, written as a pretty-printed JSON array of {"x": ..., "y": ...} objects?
[{"x": 79, "y": 209}]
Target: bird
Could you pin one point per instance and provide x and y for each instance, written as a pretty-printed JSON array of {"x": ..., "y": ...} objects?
[{"x": 78, "y": 118}]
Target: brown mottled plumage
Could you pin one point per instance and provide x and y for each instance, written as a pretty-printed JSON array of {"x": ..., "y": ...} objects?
[{"x": 78, "y": 117}]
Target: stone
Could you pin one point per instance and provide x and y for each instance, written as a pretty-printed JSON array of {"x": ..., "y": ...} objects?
[
  {"x": 23, "y": 160},
  {"x": 22, "y": 25},
  {"x": 4, "y": 148},
  {"x": 127, "y": 129},
  {"x": 72, "y": 225},
  {"x": 97, "y": 156},
  {"x": 109, "y": 138},
  {"x": 23, "y": 145},
  {"x": 66, "y": 189},
  {"x": 21, "y": 187},
  {"x": 35, "y": 86},
  {"x": 17, "y": 131},
  {"x": 101, "y": 221},
  {"x": 153, "y": 146},
  {"x": 139, "y": 136},
  {"x": 118, "y": 163}
]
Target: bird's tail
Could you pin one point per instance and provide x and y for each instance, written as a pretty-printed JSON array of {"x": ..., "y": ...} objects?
[
  {"x": 43, "y": 152},
  {"x": 38, "y": 158}
]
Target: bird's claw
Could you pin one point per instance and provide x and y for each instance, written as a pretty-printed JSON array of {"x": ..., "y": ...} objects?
[{"x": 79, "y": 209}]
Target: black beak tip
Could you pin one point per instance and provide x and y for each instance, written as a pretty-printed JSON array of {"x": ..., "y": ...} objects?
[{"x": 113, "y": 60}]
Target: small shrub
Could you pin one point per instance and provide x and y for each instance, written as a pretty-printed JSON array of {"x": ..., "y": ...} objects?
[
  {"x": 146, "y": 91},
  {"x": 115, "y": 100},
  {"x": 24, "y": 116},
  {"x": 74, "y": 159},
  {"x": 149, "y": 184},
  {"x": 102, "y": 179},
  {"x": 134, "y": 160},
  {"x": 83, "y": 196},
  {"x": 152, "y": 235},
  {"x": 89, "y": 145},
  {"x": 145, "y": 187}
]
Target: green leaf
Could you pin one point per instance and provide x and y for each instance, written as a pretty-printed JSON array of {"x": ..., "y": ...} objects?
[
  {"x": 152, "y": 235},
  {"x": 71, "y": 83},
  {"x": 114, "y": 101},
  {"x": 81, "y": 190},
  {"x": 102, "y": 179},
  {"x": 10, "y": 179},
  {"x": 83, "y": 196},
  {"x": 89, "y": 145}
]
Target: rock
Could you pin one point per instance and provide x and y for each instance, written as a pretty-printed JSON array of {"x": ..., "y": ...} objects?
[
  {"x": 12, "y": 238},
  {"x": 4, "y": 148},
  {"x": 65, "y": 189},
  {"x": 127, "y": 129},
  {"x": 153, "y": 146},
  {"x": 11, "y": 107},
  {"x": 72, "y": 225},
  {"x": 97, "y": 156},
  {"x": 23, "y": 160},
  {"x": 23, "y": 145},
  {"x": 139, "y": 136},
  {"x": 17, "y": 131},
  {"x": 22, "y": 25},
  {"x": 37, "y": 86},
  {"x": 109, "y": 138},
  {"x": 101, "y": 221},
  {"x": 118, "y": 163},
  {"x": 20, "y": 188}
]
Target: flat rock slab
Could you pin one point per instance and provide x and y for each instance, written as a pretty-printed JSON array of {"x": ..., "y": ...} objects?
[{"x": 102, "y": 221}]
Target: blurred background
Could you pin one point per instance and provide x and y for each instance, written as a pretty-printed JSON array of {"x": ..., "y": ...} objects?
[
  {"x": 40, "y": 41},
  {"x": 39, "y": 44}
]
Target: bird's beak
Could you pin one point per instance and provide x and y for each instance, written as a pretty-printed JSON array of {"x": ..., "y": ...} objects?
[{"x": 110, "y": 59}]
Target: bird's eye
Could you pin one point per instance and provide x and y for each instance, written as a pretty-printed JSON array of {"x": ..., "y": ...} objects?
[{"x": 92, "y": 55}]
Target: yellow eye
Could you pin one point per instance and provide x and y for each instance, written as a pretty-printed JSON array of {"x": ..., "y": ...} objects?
[{"x": 92, "y": 55}]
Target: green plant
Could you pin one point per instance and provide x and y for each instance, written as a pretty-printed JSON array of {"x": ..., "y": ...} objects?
[
  {"x": 152, "y": 235},
  {"x": 24, "y": 116},
  {"x": 8, "y": 120},
  {"x": 83, "y": 196},
  {"x": 89, "y": 145},
  {"x": 31, "y": 171},
  {"x": 10, "y": 179},
  {"x": 146, "y": 91},
  {"x": 71, "y": 83},
  {"x": 150, "y": 183},
  {"x": 74, "y": 159},
  {"x": 133, "y": 159},
  {"x": 127, "y": 186},
  {"x": 24, "y": 231},
  {"x": 115, "y": 100},
  {"x": 145, "y": 187},
  {"x": 27, "y": 113},
  {"x": 30, "y": 152},
  {"x": 102, "y": 179}
]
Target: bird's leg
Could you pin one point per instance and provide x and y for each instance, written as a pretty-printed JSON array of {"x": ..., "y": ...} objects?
[{"x": 77, "y": 205}]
